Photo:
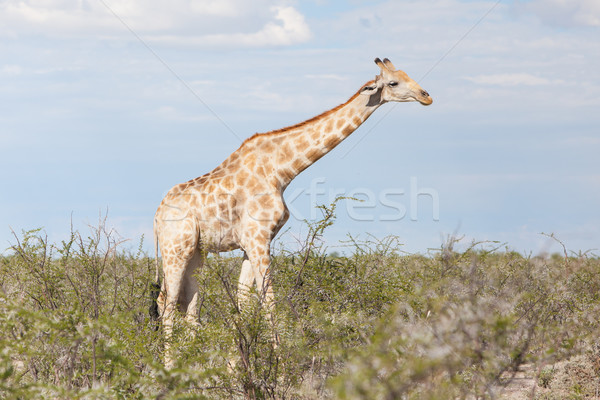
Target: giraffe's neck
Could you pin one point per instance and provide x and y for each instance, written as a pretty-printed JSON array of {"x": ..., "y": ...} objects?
[{"x": 299, "y": 146}]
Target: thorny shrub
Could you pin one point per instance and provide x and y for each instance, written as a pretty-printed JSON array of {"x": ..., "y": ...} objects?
[{"x": 373, "y": 324}]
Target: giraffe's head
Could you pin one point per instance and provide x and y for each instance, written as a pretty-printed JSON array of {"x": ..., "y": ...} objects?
[{"x": 395, "y": 85}]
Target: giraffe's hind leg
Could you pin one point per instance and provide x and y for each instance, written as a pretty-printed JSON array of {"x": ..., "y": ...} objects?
[
  {"x": 246, "y": 280},
  {"x": 188, "y": 297},
  {"x": 179, "y": 248}
]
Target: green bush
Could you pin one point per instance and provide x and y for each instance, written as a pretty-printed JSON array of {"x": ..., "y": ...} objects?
[{"x": 374, "y": 323}]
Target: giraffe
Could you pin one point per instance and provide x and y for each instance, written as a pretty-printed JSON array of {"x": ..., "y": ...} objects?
[{"x": 240, "y": 205}]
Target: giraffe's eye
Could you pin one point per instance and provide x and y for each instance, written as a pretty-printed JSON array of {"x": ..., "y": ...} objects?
[{"x": 392, "y": 84}]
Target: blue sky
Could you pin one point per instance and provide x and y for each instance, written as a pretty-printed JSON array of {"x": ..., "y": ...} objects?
[{"x": 106, "y": 105}]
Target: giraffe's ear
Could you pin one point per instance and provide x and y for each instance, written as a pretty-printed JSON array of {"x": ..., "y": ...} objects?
[
  {"x": 373, "y": 86},
  {"x": 388, "y": 64},
  {"x": 385, "y": 70},
  {"x": 373, "y": 90}
]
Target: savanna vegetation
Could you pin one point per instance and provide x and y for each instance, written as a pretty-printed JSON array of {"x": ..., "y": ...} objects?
[{"x": 374, "y": 324}]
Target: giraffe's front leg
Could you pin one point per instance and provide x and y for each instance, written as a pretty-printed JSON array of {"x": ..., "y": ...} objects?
[
  {"x": 266, "y": 214},
  {"x": 260, "y": 261}
]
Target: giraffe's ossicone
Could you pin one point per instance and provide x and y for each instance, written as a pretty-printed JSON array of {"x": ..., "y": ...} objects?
[{"x": 239, "y": 205}]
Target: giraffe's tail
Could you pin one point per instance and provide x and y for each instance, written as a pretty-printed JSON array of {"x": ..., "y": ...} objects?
[{"x": 155, "y": 286}]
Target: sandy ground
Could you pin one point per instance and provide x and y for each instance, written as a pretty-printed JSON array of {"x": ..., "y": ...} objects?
[{"x": 522, "y": 386}]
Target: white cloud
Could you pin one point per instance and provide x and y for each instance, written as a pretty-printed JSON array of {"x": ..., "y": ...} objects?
[
  {"x": 194, "y": 22},
  {"x": 564, "y": 12},
  {"x": 512, "y": 79},
  {"x": 290, "y": 28},
  {"x": 11, "y": 70},
  {"x": 215, "y": 7}
]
